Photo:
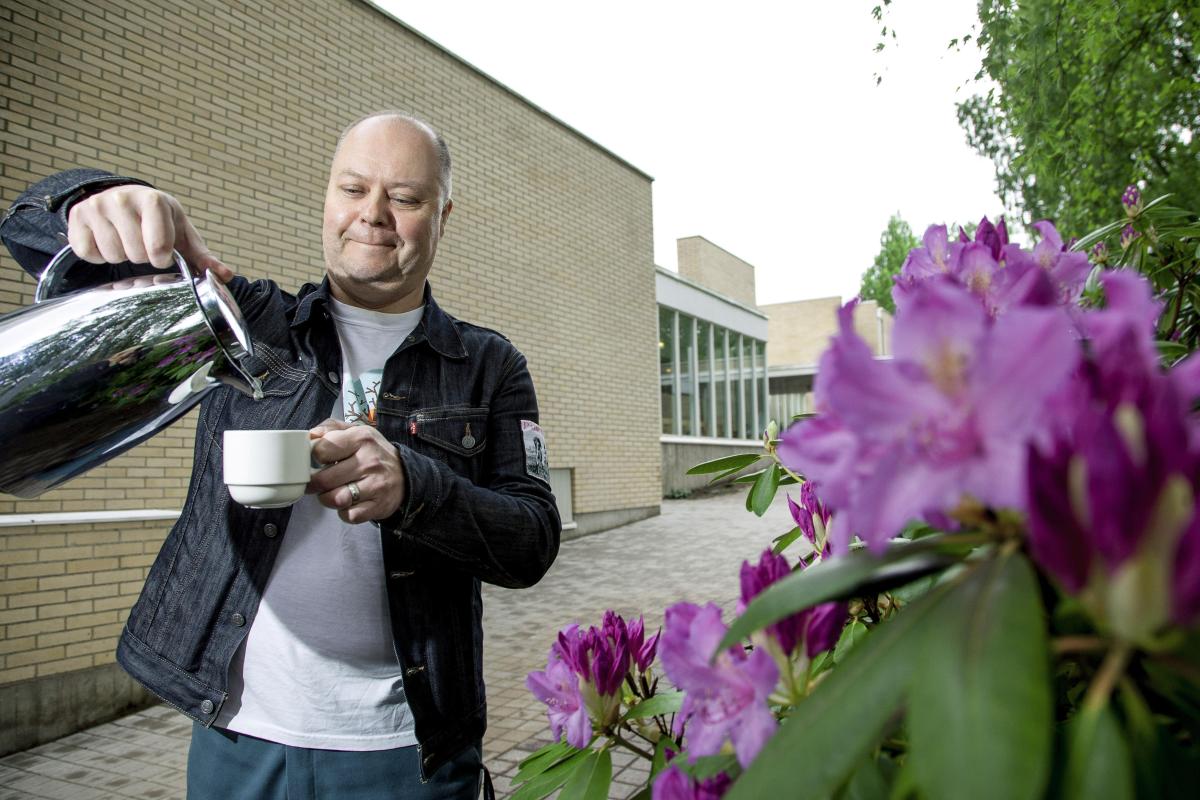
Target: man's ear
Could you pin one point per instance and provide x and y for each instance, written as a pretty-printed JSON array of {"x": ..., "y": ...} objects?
[{"x": 446, "y": 209}]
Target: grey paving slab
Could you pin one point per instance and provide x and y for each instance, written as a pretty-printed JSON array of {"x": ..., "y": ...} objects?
[{"x": 692, "y": 551}]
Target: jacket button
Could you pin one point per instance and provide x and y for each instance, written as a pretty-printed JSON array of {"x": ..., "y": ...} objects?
[
  {"x": 238, "y": 620},
  {"x": 206, "y": 707},
  {"x": 333, "y": 376},
  {"x": 270, "y": 530}
]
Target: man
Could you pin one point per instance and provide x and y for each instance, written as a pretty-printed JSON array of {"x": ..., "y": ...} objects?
[{"x": 333, "y": 648}]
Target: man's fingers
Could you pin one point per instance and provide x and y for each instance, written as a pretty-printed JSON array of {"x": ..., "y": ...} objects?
[
  {"x": 210, "y": 263},
  {"x": 83, "y": 244},
  {"x": 130, "y": 236},
  {"x": 156, "y": 218},
  {"x": 138, "y": 224},
  {"x": 108, "y": 242},
  {"x": 191, "y": 246}
]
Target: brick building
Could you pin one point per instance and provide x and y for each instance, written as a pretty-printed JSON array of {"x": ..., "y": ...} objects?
[{"x": 234, "y": 107}]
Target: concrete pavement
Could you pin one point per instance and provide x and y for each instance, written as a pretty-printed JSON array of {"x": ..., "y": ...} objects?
[{"x": 691, "y": 552}]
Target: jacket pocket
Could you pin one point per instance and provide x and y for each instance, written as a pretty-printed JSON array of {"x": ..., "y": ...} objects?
[{"x": 453, "y": 430}]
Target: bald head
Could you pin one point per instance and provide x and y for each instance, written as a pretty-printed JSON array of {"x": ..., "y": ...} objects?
[{"x": 445, "y": 176}]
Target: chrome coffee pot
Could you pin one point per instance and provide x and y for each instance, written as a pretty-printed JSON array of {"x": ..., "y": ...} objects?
[{"x": 89, "y": 374}]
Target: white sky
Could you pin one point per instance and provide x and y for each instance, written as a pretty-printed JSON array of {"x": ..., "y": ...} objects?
[{"x": 760, "y": 121}]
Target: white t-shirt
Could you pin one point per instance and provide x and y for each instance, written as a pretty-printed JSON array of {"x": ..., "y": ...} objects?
[{"x": 318, "y": 668}]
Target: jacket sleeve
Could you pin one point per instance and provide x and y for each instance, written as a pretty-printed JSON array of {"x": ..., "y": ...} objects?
[
  {"x": 35, "y": 227},
  {"x": 505, "y": 531}
]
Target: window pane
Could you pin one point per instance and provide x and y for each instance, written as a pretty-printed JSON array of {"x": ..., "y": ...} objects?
[
  {"x": 685, "y": 374},
  {"x": 720, "y": 429},
  {"x": 748, "y": 431},
  {"x": 666, "y": 371},
  {"x": 735, "y": 381},
  {"x": 760, "y": 358},
  {"x": 704, "y": 359}
]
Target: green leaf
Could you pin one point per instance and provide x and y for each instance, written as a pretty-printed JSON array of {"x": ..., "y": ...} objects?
[
  {"x": 659, "y": 762},
  {"x": 764, "y": 490},
  {"x": 751, "y": 477},
  {"x": 841, "y": 722},
  {"x": 980, "y": 714},
  {"x": 842, "y": 578},
  {"x": 851, "y": 634},
  {"x": 549, "y": 781},
  {"x": 783, "y": 542},
  {"x": 591, "y": 780},
  {"x": 541, "y": 760},
  {"x": 1098, "y": 764},
  {"x": 1151, "y": 770},
  {"x": 740, "y": 461},
  {"x": 867, "y": 783},
  {"x": 663, "y": 703},
  {"x": 706, "y": 766}
]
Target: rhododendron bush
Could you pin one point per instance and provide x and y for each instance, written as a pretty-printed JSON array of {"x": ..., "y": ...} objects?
[{"x": 992, "y": 589}]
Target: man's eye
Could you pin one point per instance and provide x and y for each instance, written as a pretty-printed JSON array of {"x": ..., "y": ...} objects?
[
  {"x": 354, "y": 190},
  {"x": 404, "y": 201}
]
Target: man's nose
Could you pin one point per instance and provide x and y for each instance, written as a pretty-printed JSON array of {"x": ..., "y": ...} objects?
[{"x": 374, "y": 208}]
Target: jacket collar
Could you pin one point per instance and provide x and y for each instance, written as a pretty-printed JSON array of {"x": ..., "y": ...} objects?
[{"x": 437, "y": 327}]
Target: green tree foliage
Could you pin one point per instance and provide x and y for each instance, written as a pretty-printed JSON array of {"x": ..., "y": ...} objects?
[
  {"x": 1088, "y": 96},
  {"x": 894, "y": 243}
]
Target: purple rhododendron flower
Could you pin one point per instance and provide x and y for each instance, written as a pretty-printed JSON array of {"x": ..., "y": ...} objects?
[
  {"x": 804, "y": 521},
  {"x": 1131, "y": 198},
  {"x": 583, "y": 677},
  {"x": 1068, "y": 271},
  {"x": 814, "y": 626},
  {"x": 558, "y": 687},
  {"x": 723, "y": 699},
  {"x": 641, "y": 649},
  {"x": 949, "y": 418},
  {"x": 675, "y": 784},
  {"x": 600, "y": 656},
  {"x": 1112, "y": 499},
  {"x": 754, "y": 579},
  {"x": 1001, "y": 274},
  {"x": 823, "y": 627},
  {"x": 1128, "y": 234},
  {"x": 994, "y": 237}
]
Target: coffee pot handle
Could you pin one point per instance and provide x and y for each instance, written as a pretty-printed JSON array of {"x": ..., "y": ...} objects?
[{"x": 51, "y": 280}]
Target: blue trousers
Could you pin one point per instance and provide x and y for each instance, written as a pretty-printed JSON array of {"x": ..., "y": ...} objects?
[{"x": 223, "y": 765}]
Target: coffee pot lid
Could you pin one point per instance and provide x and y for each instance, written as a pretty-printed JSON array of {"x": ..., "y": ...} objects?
[{"x": 223, "y": 315}]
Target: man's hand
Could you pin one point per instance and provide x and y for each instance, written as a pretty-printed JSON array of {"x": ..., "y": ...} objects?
[
  {"x": 138, "y": 224},
  {"x": 357, "y": 454}
]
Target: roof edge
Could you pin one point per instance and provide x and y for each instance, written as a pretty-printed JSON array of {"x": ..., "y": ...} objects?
[{"x": 711, "y": 292}]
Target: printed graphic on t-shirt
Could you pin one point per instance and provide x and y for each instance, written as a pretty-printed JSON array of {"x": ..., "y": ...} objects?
[
  {"x": 360, "y": 398},
  {"x": 536, "y": 463}
]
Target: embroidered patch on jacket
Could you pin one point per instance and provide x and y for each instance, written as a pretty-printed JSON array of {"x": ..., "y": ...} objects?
[{"x": 536, "y": 463}]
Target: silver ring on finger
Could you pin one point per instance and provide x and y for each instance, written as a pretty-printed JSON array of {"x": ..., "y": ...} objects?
[{"x": 355, "y": 494}]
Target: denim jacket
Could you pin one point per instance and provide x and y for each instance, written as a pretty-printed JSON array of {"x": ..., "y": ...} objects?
[{"x": 473, "y": 512}]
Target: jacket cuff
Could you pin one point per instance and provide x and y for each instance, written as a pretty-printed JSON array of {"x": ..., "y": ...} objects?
[
  {"x": 61, "y": 203},
  {"x": 423, "y": 485}
]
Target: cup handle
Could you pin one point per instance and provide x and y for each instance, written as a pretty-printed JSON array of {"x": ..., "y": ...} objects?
[{"x": 314, "y": 466}]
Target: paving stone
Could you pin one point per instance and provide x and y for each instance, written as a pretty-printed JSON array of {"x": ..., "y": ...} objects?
[{"x": 691, "y": 552}]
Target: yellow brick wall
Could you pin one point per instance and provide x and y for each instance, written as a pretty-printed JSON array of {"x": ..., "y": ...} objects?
[
  {"x": 798, "y": 332},
  {"x": 234, "y": 108},
  {"x": 67, "y": 592},
  {"x": 710, "y": 266}
]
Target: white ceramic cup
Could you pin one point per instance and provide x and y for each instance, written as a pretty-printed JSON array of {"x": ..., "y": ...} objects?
[{"x": 268, "y": 469}]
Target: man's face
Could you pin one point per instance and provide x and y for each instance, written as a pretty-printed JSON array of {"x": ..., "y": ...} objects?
[{"x": 383, "y": 216}]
